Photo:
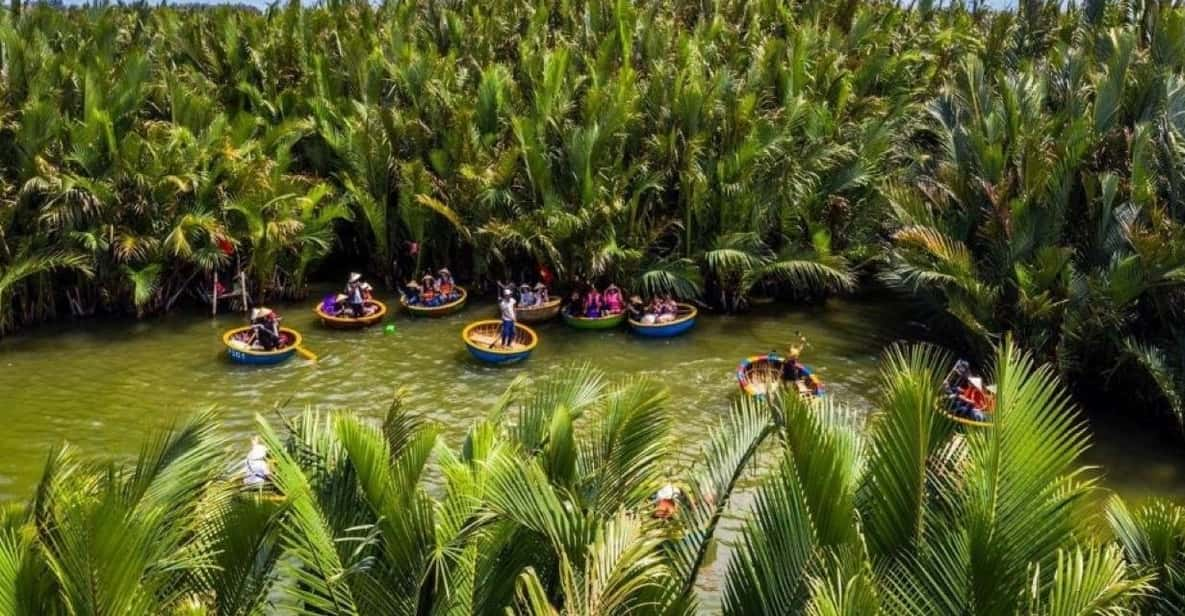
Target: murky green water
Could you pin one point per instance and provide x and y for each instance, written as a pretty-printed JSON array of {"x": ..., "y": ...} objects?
[{"x": 104, "y": 386}]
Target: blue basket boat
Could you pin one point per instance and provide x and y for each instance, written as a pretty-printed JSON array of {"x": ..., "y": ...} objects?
[
  {"x": 236, "y": 349},
  {"x": 684, "y": 320},
  {"x": 480, "y": 335}
]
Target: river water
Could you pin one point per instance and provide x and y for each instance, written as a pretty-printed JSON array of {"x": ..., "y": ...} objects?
[{"x": 105, "y": 385}]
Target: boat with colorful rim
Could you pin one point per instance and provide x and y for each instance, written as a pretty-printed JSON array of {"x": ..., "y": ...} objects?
[{"x": 761, "y": 375}]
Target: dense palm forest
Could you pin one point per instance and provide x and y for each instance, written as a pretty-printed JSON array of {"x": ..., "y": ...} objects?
[
  {"x": 545, "y": 508},
  {"x": 1009, "y": 171}
]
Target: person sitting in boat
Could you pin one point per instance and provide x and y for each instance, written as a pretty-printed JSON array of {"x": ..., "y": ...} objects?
[
  {"x": 575, "y": 303},
  {"x": 592, "y": 303},
  {"x": 448, "y": 288},
  {"x": 668, "y": 309},
  {"x": 636, "y": 308},
  {"x": 666, "y": 502},
  {"x": 265, "y": 329},
  {"x": 430, "y": 291},
  {"x": 411, "y": 293},
  {"x": 355, "y": 300},
  {"x": 526, "y": 297},
  {"x": 541, "y": 294},
  {"x": 613, "y": 300},
  {"x": 652, "y": 310},
  {"x": 256, "y": 470}
]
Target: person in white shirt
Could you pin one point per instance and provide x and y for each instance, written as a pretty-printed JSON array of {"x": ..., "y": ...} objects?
[
  {"x": 506, "y": 307},
  {"x": 257, "y": 470}
]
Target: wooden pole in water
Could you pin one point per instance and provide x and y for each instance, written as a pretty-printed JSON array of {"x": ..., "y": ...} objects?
[
  {"x": 214, "y": 296},
  {"x": 243, "y": 287}
]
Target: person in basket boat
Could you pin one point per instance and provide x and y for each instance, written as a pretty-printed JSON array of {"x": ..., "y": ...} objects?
[
  {"x": 636, "y": 309},
  {"x": 966, "y": 394},
  {"x": 430, "y": 291},
  {"x": 526, "y": 297},
  {"x": 256, "y": 472},
  {"x": 666, "y": 502},
  {"x": 447, "y": 286},
  {"x": 355, "y": 296},
  {"x": 265, "y": 329},
  {"x": 506, "y": 311},
  {"x": 411, "y": 293},
  {"x": 668, "y": 309},
  {"x": 592, "y": 303},
  {"x": 612, "y": 300},
  {"x": 541, "y": 294}
]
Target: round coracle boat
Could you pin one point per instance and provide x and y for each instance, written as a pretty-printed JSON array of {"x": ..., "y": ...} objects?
[
  {"x": 437, "y": 311},
  {"x": 375, "y": 311},
  {"x": 240, "y": 352},
  {"x": 483, "y": 340},
  {"x": 761, "y": 375},
  {"x": 683, "y": 321},
  {"x": 608, "y": 321}
]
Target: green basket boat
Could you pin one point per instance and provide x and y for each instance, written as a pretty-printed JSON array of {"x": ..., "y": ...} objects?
[{"x": 605, "y": 322}]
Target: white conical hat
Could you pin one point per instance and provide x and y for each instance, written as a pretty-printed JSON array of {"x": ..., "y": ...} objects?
[
  {"x": 355, "y": 276},
  {"x": 668, "y": 492},
  {"x": 976, "y": 382},
  {"x": 258, "y": 452}
]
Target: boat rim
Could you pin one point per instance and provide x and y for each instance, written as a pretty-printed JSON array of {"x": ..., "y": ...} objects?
[
  {"x": 620, "y": 315},
  {"x": 966, "y": 422},
  {"x": 296, "y": 340},
  {"x": 476, "y": 324}
]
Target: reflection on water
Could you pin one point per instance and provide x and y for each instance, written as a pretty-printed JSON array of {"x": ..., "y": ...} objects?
[{"x": 105, "y": 385}]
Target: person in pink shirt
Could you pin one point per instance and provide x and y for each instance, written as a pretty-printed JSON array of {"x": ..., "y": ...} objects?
[{"x": 613, "y": 300}]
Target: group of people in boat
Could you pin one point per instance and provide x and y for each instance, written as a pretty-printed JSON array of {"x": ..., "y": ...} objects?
[
  {"x": 591, "y": 303},
  {"x": 660, "y": 309},
  {"x": 353, "y": 302},
  {"x": 527, "y": 296},
  {"x": 966, "y": 395},
  {"x": 432, "y": 291}
]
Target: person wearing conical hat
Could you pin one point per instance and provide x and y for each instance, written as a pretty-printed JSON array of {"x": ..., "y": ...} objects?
[
  {"x": 430, "y": 291},
  {"x": 256, "y": 469},
  {"x": 355, "y": 296},
  {"x": 666, "y": 502},
  {"x": 526, "y": 296},
  {"x": 265, "y": 329},
  {"x": 541, "y": 294},
  {"x": 445, "y": 280},
  {"x": 411, "y": 293}
]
